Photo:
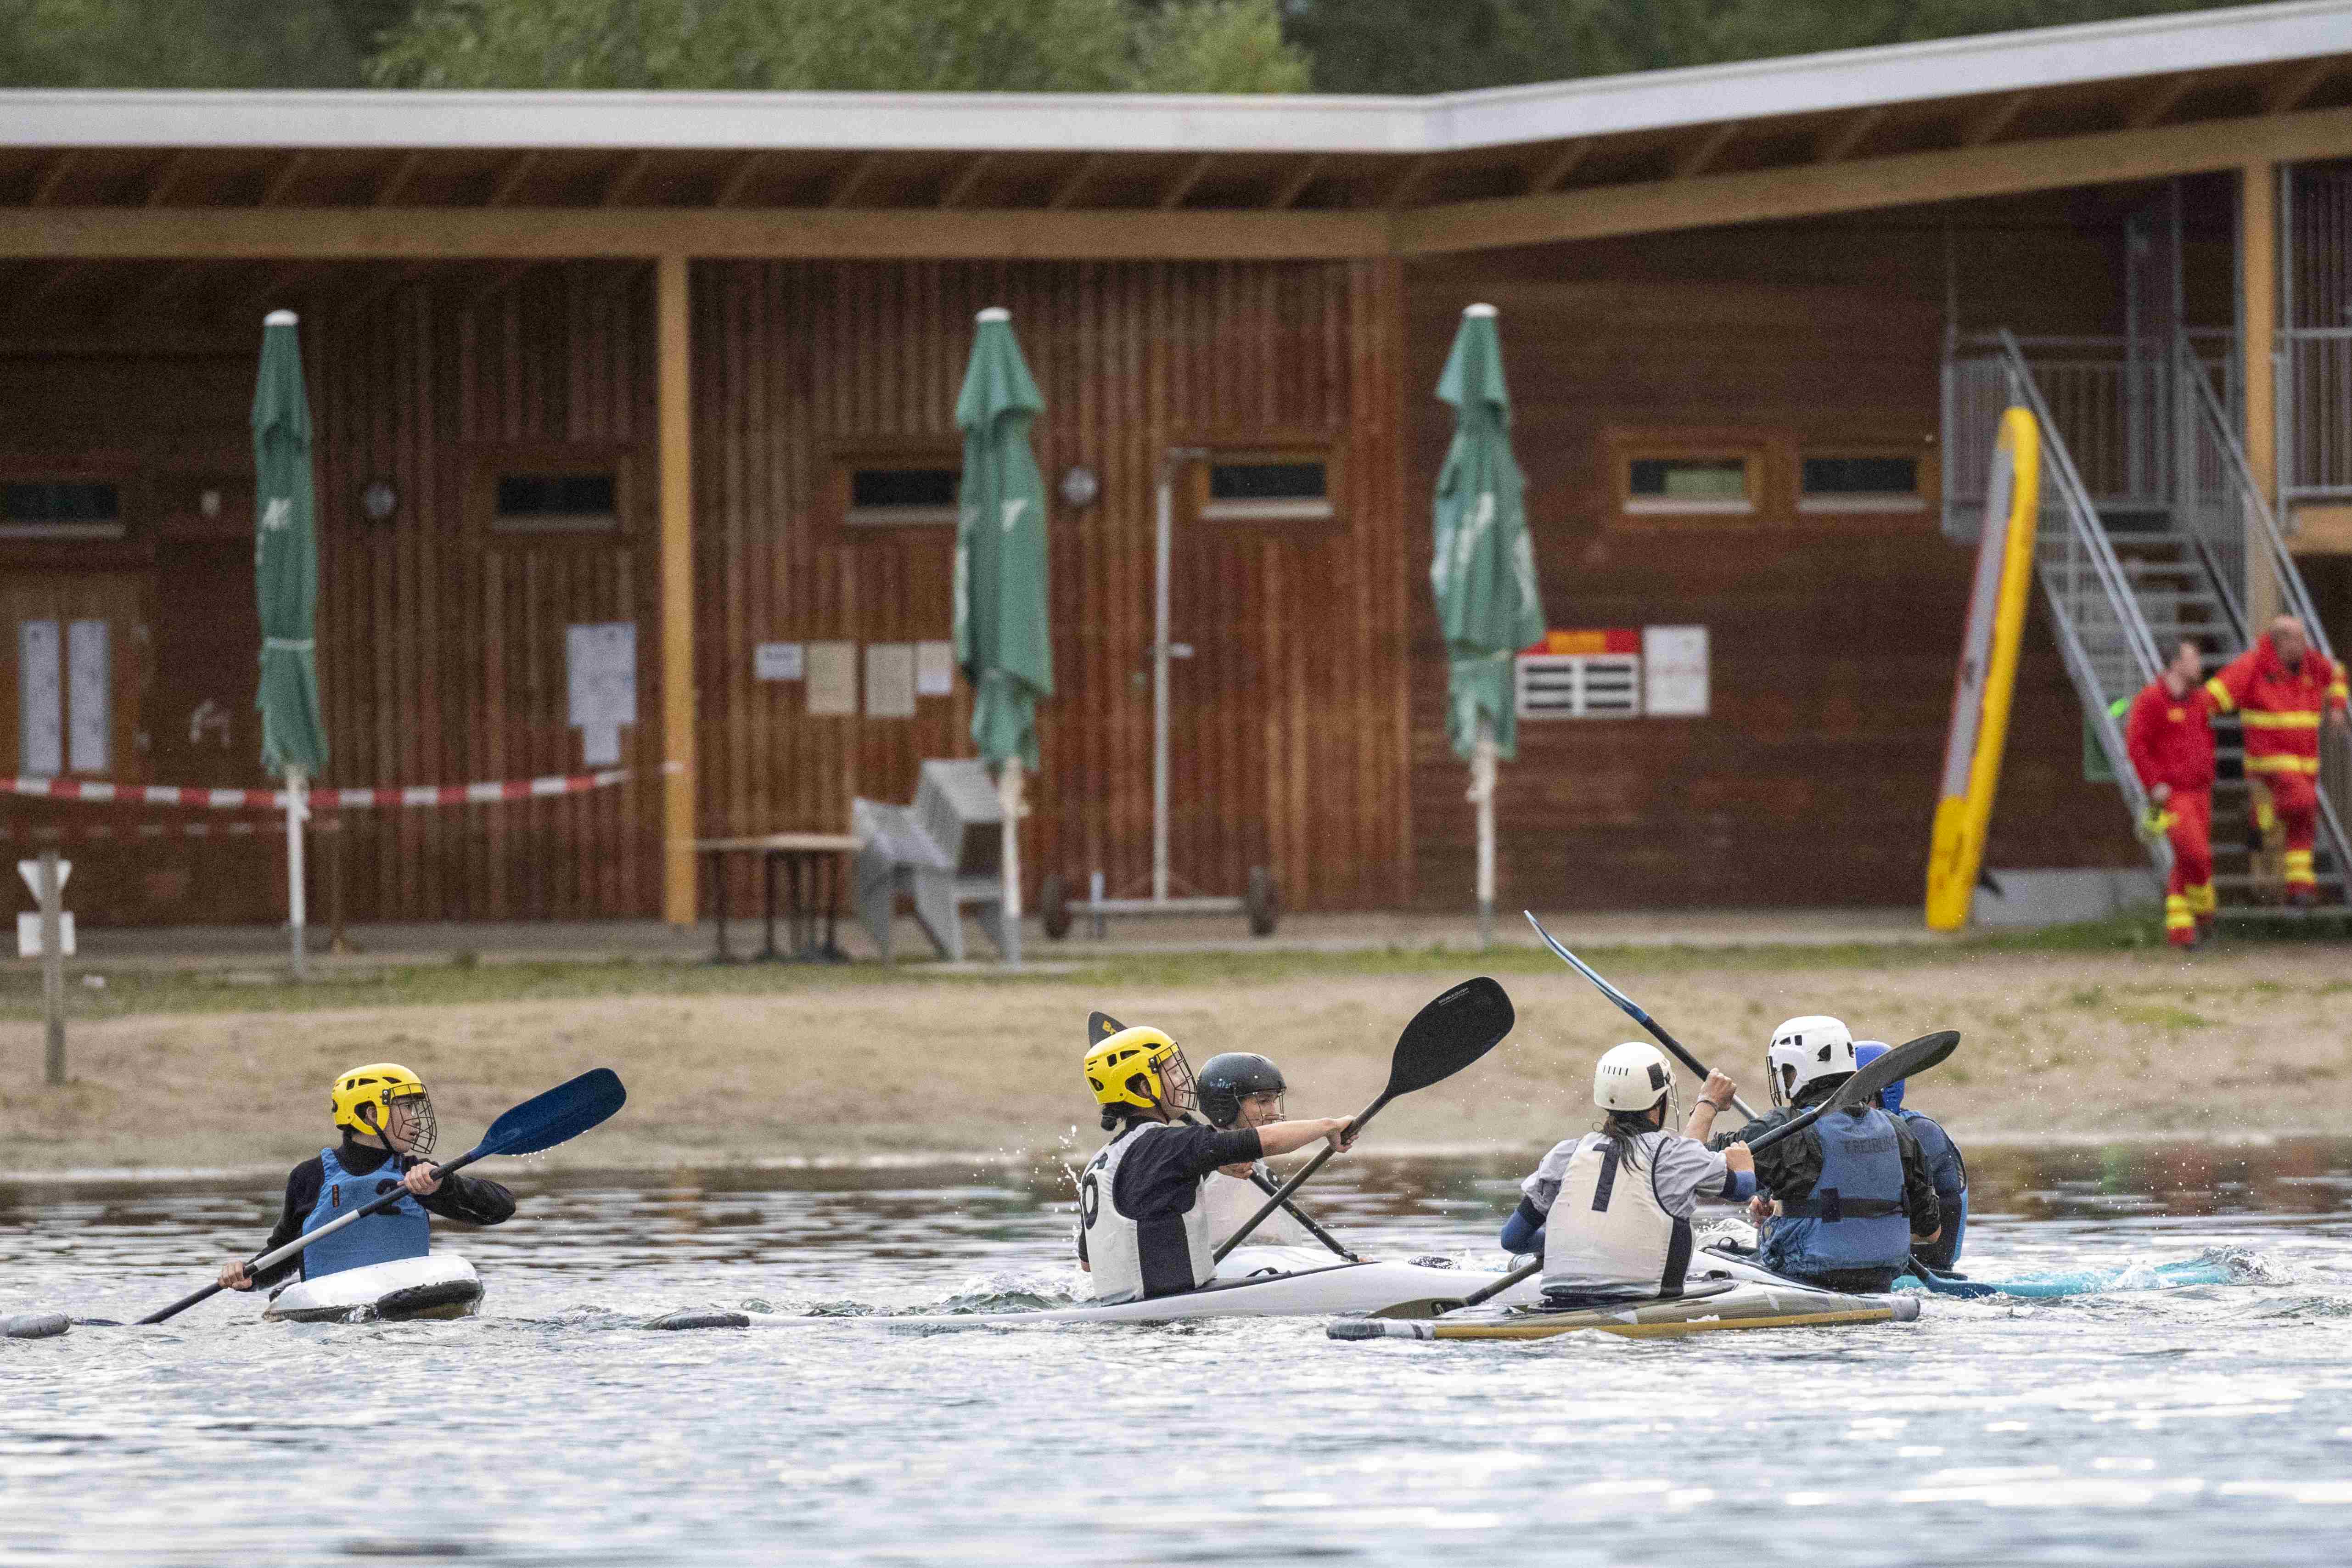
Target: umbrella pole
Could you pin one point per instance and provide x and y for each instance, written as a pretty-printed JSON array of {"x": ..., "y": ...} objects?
[
  {"x": 1008, "y": 792},
  {"x": 1161, "y": 549},
  {"x": 1482, "y": 790},
  {"x": 295, "y": 810}
]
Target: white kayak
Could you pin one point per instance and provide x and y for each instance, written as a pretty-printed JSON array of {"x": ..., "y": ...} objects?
[
  {"x": 1707, "y": 1307},
  {"x": 442, "y": 1285}
]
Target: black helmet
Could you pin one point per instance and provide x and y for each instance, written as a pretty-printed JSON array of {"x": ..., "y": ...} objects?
[{"x": 1229, "y": 1080}]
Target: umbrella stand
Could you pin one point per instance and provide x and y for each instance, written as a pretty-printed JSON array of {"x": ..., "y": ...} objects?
[{"x": 1259, "y": 903}]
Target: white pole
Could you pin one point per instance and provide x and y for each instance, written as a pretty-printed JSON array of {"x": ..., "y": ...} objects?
[
  {"x": 1008, "y": 792},
  {"x": 1164, "y": 545},
  {"x": 1482, "y": 790},
  {"x": 297, "y": 809},
  {"x": 53, "y": 966}
]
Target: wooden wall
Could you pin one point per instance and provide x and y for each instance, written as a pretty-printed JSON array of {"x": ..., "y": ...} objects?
[
  {"x": 1289, "y": 735},
  {"x": 1812, "y": 781}
]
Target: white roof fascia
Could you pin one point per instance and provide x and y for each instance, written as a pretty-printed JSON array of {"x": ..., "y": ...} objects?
[{"x": 961, "y": 122}]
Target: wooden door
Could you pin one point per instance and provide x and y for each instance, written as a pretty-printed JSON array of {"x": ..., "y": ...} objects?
[{"x": 73, "y": 666}]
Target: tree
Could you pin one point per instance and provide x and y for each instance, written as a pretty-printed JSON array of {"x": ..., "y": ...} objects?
[
  {"x": 947, "y": 46},
  {"x": 180, "y": 43}
]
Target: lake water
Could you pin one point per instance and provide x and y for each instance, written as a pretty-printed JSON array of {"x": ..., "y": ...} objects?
[{"x": 2198, "y": 1426}]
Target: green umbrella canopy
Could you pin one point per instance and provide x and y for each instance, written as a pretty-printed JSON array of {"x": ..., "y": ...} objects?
[
  {"x": 1000, "y": 569},
  {"x": 286, "y": 557},
  {"x": 1483, "y": 568}
]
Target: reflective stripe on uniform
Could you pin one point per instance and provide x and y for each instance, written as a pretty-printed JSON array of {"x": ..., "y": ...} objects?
[
  {"x": 2282, "y": 762},
  {"x": 2298, "y": 719}
]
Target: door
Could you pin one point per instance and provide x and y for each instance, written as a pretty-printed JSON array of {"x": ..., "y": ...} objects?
[{"x": 75, "y": 655}]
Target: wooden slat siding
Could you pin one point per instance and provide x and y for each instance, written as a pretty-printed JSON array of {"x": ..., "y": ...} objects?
[{"x": 1832, "y": 639}]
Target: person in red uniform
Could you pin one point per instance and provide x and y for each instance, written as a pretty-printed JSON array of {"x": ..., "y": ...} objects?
[
  {"x": 2169, "y": 734},
  {"x": 2282, "y": 688}
]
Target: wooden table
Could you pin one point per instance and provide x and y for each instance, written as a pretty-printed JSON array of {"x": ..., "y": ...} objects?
[{"x": 811, "y": 859}]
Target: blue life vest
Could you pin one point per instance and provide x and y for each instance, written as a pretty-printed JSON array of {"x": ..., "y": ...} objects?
[
  {"x": 1951, "y": 1174},
  {"x": 1853, "y": 1218},
  {"x": 404, "y": 1230}
]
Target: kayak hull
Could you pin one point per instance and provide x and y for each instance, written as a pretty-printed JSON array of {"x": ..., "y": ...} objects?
[
  {"x": 438, "y": 1287},
  {"x": 1723, "y": 1306}
]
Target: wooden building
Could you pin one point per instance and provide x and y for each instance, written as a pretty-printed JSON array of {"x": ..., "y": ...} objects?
[{"x": 688, "y": 364}]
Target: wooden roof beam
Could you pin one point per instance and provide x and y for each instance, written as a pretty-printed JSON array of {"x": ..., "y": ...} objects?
[
  {"x": 853, "y": 179},
  {"x": 1555, "y": 171},
  {"x": 2290, "y": 90},
  {"x": 55, "y": 175},
  {"x": 1188, "y": 179},
  {"x": 1072, "y": 185},
  {"x": 1842, "y": 139},
  {"x": 397, "y": 181},
  {"x": 748, "y": 168},
  {"x": 2160, "y": 101},
  {"x": 281, "y": 179},
  {"x": 958, "y": 190},
  {"x": 1985, "y": 126},
  {"x": 1402, "y": 185},
  {"x": 510, "y": 179},
  {"x": 166, "y": 178},
  {"x": 1701, "y": 154},
  {"x": 626, "y": 179}
]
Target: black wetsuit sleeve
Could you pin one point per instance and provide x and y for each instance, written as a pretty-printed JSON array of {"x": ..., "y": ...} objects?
[
  {"x": 468, "y": 1200},
  {"x": 1918, "y": 1183},
  {"x": 1786, "y": 1170},
  {"x": 1161, "y": 1174},
  {"x": 302, "y": 1185}
]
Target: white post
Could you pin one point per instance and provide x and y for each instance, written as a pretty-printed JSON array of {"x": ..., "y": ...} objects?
[
  {"x": 1481, "y": 790},
  {"x": 1162, "y": 548},
  {"x": 297, "y": 810},
  {"x": 53, "y": 966},
  {"x": 1008, "y": 793}
]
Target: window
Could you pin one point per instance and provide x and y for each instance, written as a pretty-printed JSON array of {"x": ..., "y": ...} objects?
[
  {"x": 60, "y": 508},
  {"x": 890, "y": 497},
  {"x": 1712, "y": 483},
  {"x": 556, "y": 503},
  {"x": 1859, "y": 483},
  {"x": 1285, "y": 489}
]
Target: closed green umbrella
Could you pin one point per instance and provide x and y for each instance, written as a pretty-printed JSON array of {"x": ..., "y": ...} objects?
[
  {"x": 286, "y": 581},
  {"x": 1484, "y": 573},
  {"x": 1000, "y": 576}
]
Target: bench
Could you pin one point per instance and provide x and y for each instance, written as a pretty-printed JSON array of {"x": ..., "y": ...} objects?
[{"x": 944, "y": 854}]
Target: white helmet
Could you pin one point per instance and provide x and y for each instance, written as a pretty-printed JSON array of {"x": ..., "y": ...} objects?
[
  {"x": 1804, "y": 1050},
  {"x": 1631, "y": 1076}
]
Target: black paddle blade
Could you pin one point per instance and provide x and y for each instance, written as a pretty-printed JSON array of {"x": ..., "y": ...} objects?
[
  {"x": 1910, "y": 1056},
  {"x": 1101, "y": 1026},
  {"x": 1450, "y": 1034},
  {"x": 561, "y": 1113}
]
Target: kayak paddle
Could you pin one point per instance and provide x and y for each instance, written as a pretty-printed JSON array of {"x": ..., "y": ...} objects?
[
  {"x": 1632, "y": 1009},
  {"x": 1905, "y": 1059},
  {"x": 1101, "y": 1026},
  {"x": 1444, "y": 1038},
  {"x": 561, "y": 1114}
]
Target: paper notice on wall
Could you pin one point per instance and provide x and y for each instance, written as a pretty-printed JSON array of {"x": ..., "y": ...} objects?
[
  {"x": 40, "y": 700},
  {"x": 1674, "y": 672},
  {"x": 599, "y": 745},
  {"x": 935, "y": 670},
  {"x": 890, "y": 680},
  {"x": 90, "y": 696},
  {"x": 777, "y": 661},
  {"x": 601, "y": 672},
  {"x": 832, "y": 677}
]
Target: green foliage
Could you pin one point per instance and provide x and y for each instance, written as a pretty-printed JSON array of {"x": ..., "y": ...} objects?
[
  {"x": 181, "y": 43},
  {"x": 944, "y": 45}
]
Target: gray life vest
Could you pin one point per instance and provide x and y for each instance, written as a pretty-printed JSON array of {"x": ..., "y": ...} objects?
[
  {"x": 1607, "y": 1234},
  {"x": 1135, "y": 1261},
  {"x": 1231, "y": 1200}
]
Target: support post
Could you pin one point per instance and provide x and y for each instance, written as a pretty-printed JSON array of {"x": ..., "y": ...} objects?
[
  {"x": 1009, "y": 781},
  {"x": 1481, "y": 790},
  {"x": 673, "y": 343},
  {"x": 53, "y": 967},
  {"x": 2258, "y": 249},
  {"x": 297, "y": 911},
  {"x": 1163, "y": 545}
]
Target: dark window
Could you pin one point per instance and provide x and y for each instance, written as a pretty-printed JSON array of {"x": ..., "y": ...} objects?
[
  {"x": 1268, "y": 492},
  {"x": 1705, "y": 481},
  {"x": 903, "y": 495},
  {"x": 1862, "y": 476},
  {"x": 534, "y": 503},
  {"x": 68, "y": 509}
]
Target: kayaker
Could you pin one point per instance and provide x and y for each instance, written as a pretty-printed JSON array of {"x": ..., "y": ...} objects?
[
  {"x": 1949, "y": 1171},
  {"x": 1242, "y": 1089},
  {"x": 386, "y": 1117},
  {"x": 1844, "y": 1203},
  {"x": 1623, "y": 1195},
  {"x": 1143, "y": 1231}
]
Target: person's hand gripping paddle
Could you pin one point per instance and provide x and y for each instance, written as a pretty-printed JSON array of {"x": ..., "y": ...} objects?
[
  {"x": 1444, "y": 1038},
  {"x": 1911, "y": 1057},
  {"x": 561, "y": 1114}
]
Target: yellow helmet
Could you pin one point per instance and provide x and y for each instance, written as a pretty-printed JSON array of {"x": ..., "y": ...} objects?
[
  {"x": 362, "y": 1099},
  {"x": 1139, "y": 1066}
]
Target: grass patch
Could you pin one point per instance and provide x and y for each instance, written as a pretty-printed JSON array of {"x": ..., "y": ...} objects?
[
  {"x": 2090, "y": 996},
  {"x": 2163, "y": 1016}
]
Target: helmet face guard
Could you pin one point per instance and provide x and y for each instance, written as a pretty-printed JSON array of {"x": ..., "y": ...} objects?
[
  {"x": 1180, "y": 1092},
  {"x": 411, "y": 1114}
]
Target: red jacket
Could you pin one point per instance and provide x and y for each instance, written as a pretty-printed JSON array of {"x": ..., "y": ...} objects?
[
  {"x": 2171, "y": 738},
  {"x": 2281, "y": 708}
]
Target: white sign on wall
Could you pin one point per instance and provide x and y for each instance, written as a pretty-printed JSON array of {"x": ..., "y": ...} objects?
[
  {"x": 1675, "y": 672},
  {"x": 777, "y": 661},
  {"x": 935, "y": 670},
  {"x": 889, "y": 681},
  {"x": 601, "y": 684},
  {"x": 40, "y": 700},
  {"x": 90, "y": 696}
]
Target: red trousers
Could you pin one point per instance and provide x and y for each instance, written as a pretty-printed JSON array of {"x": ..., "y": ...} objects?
[
  {"x": 2294, "y": 806},
  {"x": 2188, "y": 897}
]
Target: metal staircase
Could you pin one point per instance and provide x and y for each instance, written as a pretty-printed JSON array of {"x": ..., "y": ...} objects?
[{"x": 2156, "y": 553}]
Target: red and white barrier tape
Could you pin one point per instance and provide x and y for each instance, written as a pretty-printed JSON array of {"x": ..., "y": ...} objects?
[
  {"x": 93, "y": 792},
  {"x": 128, "y": 832}
]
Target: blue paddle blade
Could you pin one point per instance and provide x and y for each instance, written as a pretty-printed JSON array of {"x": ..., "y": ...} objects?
[{"x": 561, "y": 1113}]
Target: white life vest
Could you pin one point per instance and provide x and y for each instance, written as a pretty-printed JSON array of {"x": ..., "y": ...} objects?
[
  {"x": 1231, "y": 1200},
  {"x": 1607, "y": 1234},
  {"x": 1130, "y": 1261}
]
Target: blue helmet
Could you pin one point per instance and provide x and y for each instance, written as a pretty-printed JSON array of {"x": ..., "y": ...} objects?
[{"x": 1868, "y": 1051}]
